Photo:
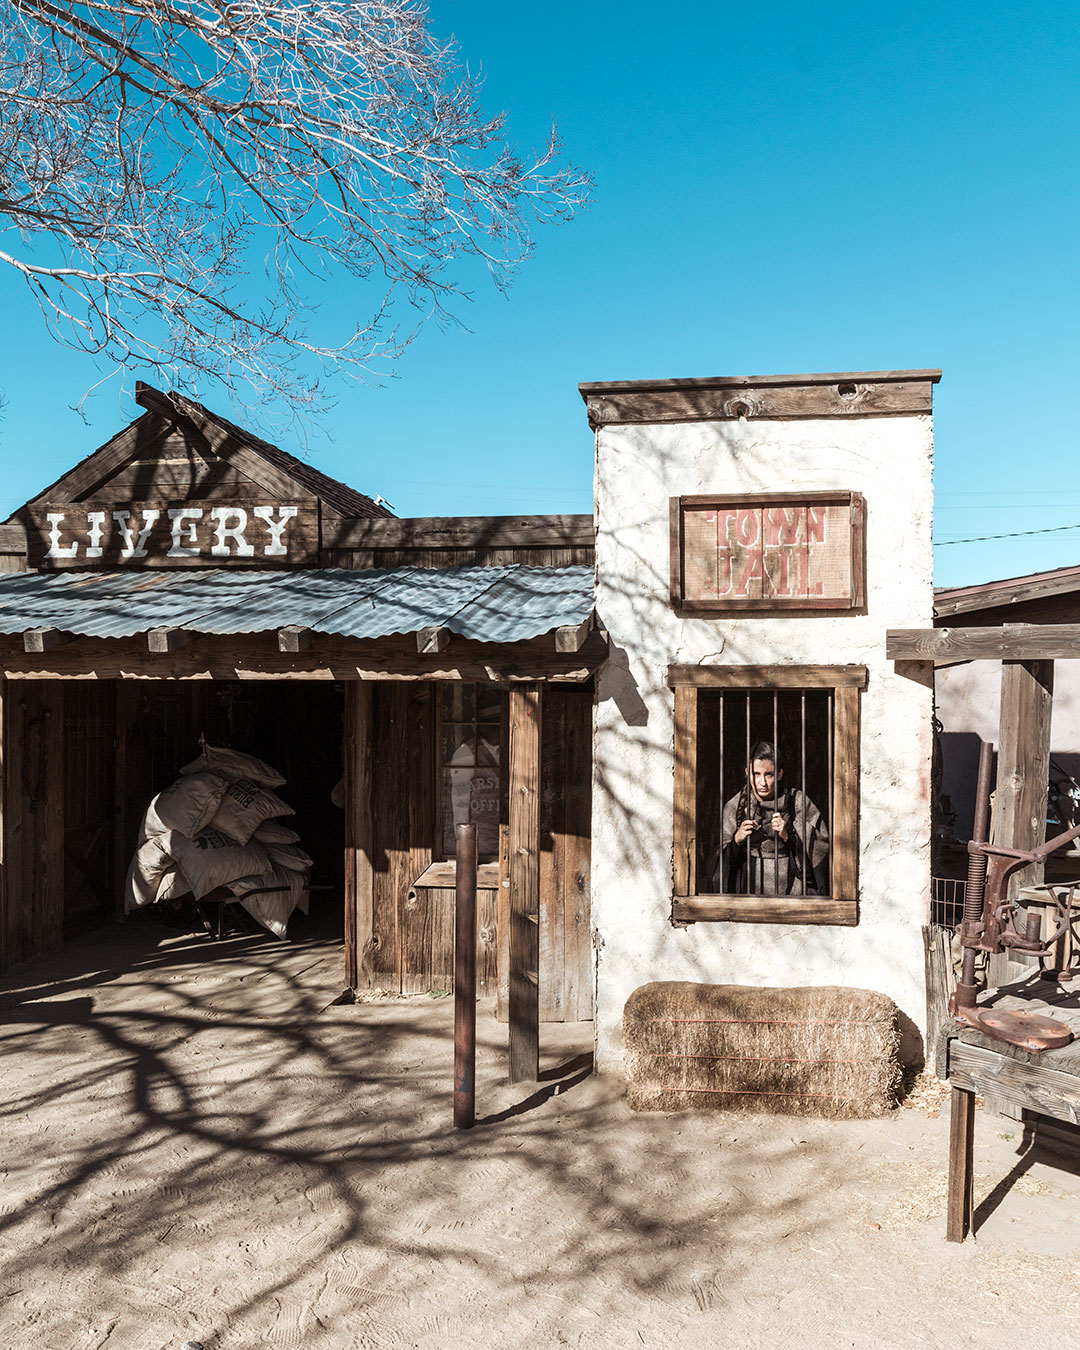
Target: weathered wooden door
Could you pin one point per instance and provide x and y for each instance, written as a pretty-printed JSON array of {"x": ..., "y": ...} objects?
[
  {"x": 91, "y": 892},
  {"x": 32, "y": 869}
]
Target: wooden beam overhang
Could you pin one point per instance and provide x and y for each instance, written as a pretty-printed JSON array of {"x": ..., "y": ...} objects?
[
  {"x": 1011, "y": 642},
  {"x": 857, "y": 393},
  {"x": 163, "y": 640},
  {"x": 294, "y": 637},
  {"x": 430, "y": 641},
  {"x": 454, "y": 532},
  {"x": 258, "y": 656},
  {"x": 40, "y": 640}
]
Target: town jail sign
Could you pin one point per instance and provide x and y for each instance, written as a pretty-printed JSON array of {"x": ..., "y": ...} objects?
[
  {"x": 171, "y": 534},
  {"x": 767, "y": 551}
]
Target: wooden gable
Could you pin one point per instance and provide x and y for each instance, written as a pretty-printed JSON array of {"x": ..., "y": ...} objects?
[{"x": 177, "y": 488}]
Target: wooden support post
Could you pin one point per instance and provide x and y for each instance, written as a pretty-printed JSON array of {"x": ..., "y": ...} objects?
[
  {"x": 526, "y": 706},
  {"x": 294, "y": 638},
  {"x": 359, "y": 872},
  {"x": 685, "y": 857},
  {"x": 1023, "y": 772},
  {"x": 465, "y": 978},
  {"x": 961, "y": 1147}
]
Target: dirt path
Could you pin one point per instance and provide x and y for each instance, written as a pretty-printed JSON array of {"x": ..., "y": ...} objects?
[{"x": 198, "y": 1146}]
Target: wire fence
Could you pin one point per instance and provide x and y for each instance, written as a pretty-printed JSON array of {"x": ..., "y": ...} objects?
[{"x": 947, "y": 896}]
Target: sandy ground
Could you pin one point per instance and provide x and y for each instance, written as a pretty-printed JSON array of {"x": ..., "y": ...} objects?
[{"x": 198, "y": 1145}]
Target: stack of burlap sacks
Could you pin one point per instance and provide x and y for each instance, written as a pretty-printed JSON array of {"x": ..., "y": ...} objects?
[{"x": 217, "y": 829}]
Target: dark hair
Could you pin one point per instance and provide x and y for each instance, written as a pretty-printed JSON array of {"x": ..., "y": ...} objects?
[{"x": 764, "y": 750}]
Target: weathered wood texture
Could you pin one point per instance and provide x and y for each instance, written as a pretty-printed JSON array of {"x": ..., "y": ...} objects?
[
  {"x": 353, "y": 559},
  {"x": 256, "y": 656},
  {"x": 858, "y": 394},
  {"x": 435, "y": 533},
  {"x": 359, "y": 839},
  {"x": 940, "y": 983},
  {"x": 90, "y": 749},
  {"x": 1017, "y": 642},
  {"x": 180, "y": 531},
  {"x": 765, "y": 909},
  {"x": 685, "y": 796},
  {"x": 961, "y": 1169},
  {"x": 1027, "y": 1085},
  {"x": 1023, "y": 773},
  {"x": 565, "y": 969},
  {"x": 32, "y": 894},
  {"x": 403, "y": 930},
  {"x": 767, "y": 677},
  {"x": 1016, "y": 595},
  {"x": 845, "y": 821},
  {"x": 526, "y": 712}
]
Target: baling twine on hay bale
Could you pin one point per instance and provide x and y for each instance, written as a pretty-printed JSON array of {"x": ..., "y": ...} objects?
[{"x": 805, "y": 1052}]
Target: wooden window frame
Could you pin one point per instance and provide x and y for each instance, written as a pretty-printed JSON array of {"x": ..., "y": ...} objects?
[
  {"x": 854, "y": 501},
  {"x": 690, "y": 906}
]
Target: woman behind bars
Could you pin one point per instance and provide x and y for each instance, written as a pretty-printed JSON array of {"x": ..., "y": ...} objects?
[{"x": 773, "y": 838}]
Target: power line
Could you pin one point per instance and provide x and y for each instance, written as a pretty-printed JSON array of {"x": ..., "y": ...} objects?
[{"x": 1016, "y": 534}]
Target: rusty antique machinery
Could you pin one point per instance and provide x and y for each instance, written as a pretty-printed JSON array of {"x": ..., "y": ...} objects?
[{"x": 990, "y": 924}]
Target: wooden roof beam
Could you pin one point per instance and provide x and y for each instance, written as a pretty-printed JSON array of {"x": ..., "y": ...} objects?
[
  {"x": 1010, "y": 642},
  {"x": 165, "y": 639},
  {"x": 294, "y": 637},
  {"x": 431, "y": 640},
  {"x": 44, "y": 639},
  {"x": 571, "y": 637}
]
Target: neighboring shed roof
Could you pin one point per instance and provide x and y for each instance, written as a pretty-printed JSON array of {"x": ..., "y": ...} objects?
[
  {"x": 992, "y": 595},
  {"x": 487, "y": 604}
]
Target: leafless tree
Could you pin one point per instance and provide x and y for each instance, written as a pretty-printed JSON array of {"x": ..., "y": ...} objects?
[{"x": 155, "y": 153}]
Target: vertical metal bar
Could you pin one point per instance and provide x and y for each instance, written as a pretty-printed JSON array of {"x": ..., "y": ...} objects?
[
  {"x": 776, "y": 796},
  {"x": 749, "y": 803},
  {"x": 802, "y": 786},
  {"x": 830, "y": 822},
  {"x": 465, "y": 978},
  {"x": 722, "y": 873}
]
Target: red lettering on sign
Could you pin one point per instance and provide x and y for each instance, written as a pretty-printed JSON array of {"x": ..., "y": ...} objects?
[
  {"x": 815, "y": 524},
  {"x": 785, "y": 525},
  {"x": 749, "y": 569},
  {"x": 748, "y": 528}
]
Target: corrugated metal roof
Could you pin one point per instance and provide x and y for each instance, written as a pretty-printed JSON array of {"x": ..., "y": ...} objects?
[{"x": 487, "y": 604}]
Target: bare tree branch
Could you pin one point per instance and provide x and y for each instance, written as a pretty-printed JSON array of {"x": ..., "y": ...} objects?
[{"x": 153, "y": 153}]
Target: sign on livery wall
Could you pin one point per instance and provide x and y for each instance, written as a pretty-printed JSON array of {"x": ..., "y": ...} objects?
[
  {"x": 171, "y": 534},
  {"x": 778, "y": 551}
]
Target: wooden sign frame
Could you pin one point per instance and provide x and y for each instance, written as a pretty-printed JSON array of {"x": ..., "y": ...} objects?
[{"x": 851, "y": 504}]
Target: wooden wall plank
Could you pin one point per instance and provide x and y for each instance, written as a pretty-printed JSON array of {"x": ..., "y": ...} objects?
[
  {"x": 578, "y": 981},
  {"x": 359, "y": 842},
  {"x": 425, "y": 930},
  {"x": 552, "y": 936},
  {"x": 767, "y": 677},
  {"x": 526, "y": 712},
  {"x": 390, "y": 809}
]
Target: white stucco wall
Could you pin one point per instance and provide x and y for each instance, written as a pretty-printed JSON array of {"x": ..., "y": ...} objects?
[{"x": 638, "y": 468}]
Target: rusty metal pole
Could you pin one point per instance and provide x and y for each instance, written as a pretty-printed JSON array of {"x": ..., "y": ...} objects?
[
  {"x": 465, "y": 979},
  {"x": 972, "y": 926}
]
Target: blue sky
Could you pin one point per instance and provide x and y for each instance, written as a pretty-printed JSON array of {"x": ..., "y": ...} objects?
[{"x": 787, "y": 188}]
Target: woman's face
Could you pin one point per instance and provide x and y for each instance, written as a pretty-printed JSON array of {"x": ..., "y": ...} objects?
[{"x": 764, "y": 778}]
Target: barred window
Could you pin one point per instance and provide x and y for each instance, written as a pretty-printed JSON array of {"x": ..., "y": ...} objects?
[{"x": 766, "y": 793}]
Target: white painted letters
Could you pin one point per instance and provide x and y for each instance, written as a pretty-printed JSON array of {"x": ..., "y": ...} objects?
[
  {"x": 275, "y": 548},
  {"x": 184, "y": 520},
  {"x": 96, "y": 522},
  {"x": 222, "y": 531},
  {"x": 56, "y": 519}
]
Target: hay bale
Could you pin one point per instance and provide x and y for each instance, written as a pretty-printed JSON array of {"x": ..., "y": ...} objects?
[{"x": 804, "y": 1052}]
